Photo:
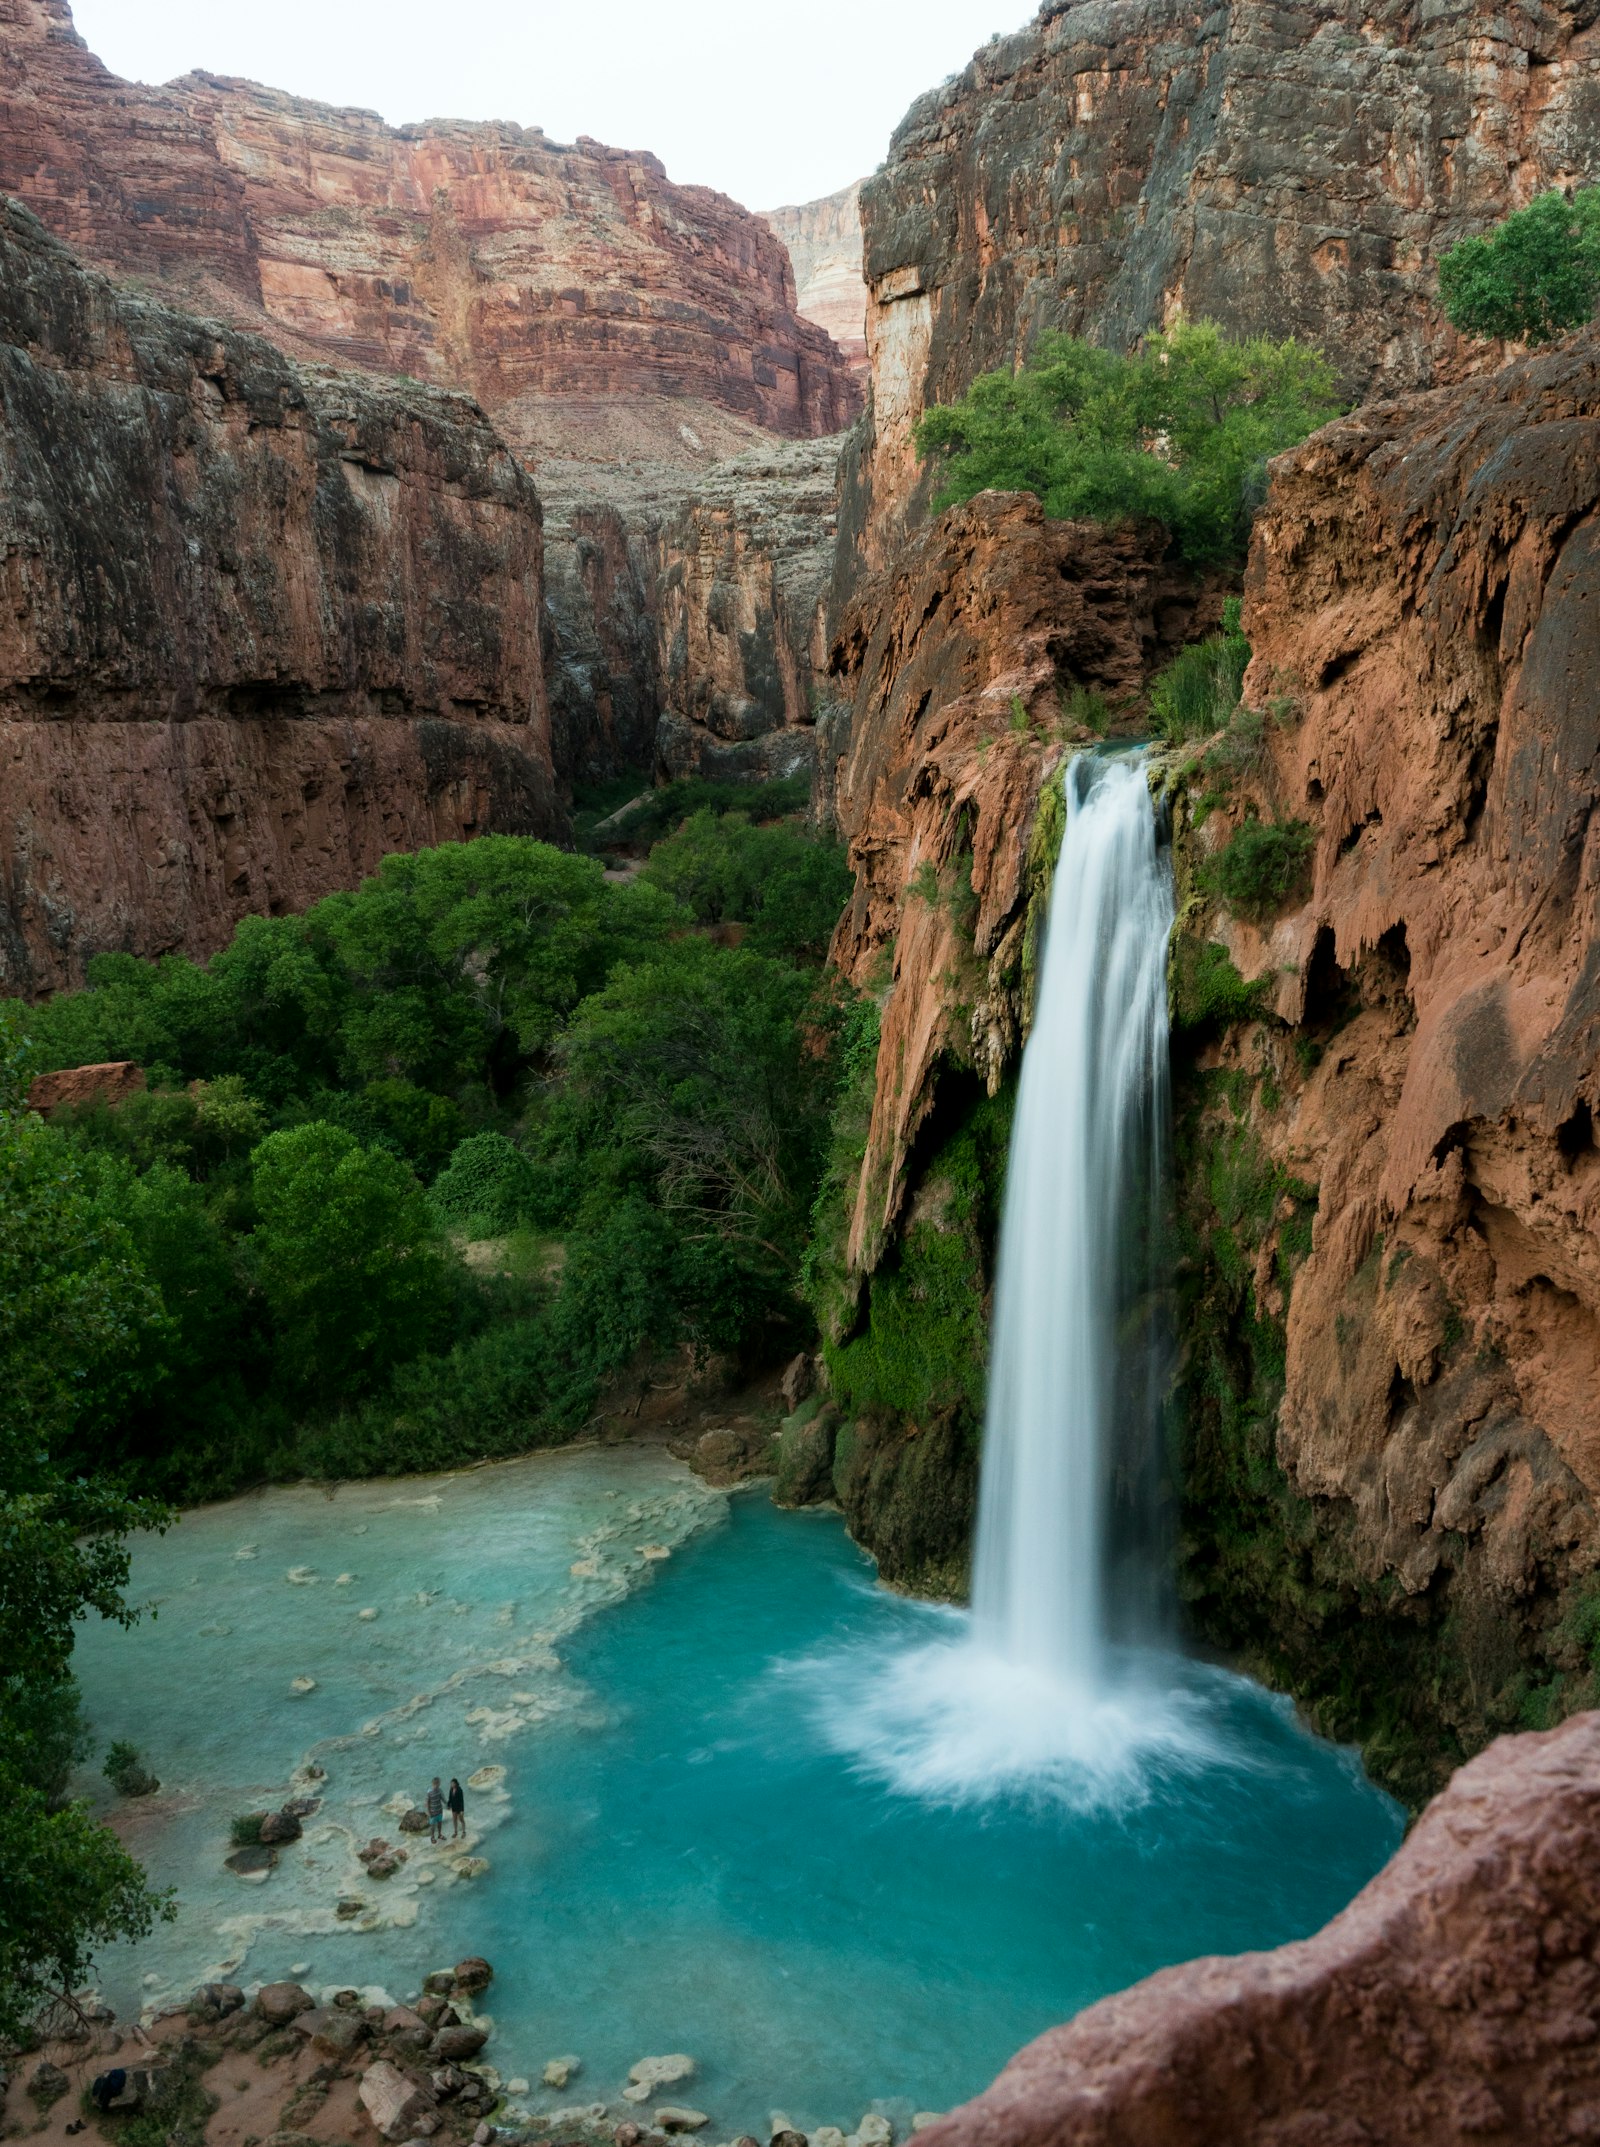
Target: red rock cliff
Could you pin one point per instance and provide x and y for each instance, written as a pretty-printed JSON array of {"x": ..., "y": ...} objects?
[
  {"x": 1282, "y": 170},
  {"x": 543, "y": 278},
  {"x": 1423, "y": 600},
  {"x": 258, "y": 625}
]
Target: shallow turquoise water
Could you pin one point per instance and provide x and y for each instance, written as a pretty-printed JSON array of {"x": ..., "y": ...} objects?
[{"x": 692, "y": 1848}]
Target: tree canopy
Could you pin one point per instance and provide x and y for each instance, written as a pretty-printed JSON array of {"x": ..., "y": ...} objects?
[
  {"x": 1534, "y": 279},
  {"x": 1180, "y": 432}
]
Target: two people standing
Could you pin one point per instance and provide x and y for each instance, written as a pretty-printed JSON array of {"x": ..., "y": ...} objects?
[{"x": 441, "y": 1801}]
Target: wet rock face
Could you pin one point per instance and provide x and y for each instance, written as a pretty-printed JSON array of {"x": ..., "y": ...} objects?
[
  {"x": 487, "y": 257},
  {"x": 1280, "y": 170},
  {"x": 954, "y": 664},
  {"x": 259, "y": 626},
  {"x": 1452, "y": 2002},
  {"x": 1423, "y": 602}
]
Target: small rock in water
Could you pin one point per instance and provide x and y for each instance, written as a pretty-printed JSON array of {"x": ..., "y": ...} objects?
[
  {"x": 558, "y": 2073},
  {"x": 300, "y": 1968},
  {"x": 246, "y": 1550},
  {"x": 472, "y": 1975},
  {"x": 251, "y": 1863},
  {"x": 302, "y": 1685},
  {"x": 827, "y": 2136},
  {"x": 366, "y": 1616},
  {"x": 345, "y": 1580},
  {"x": 651, "y": 2073},
  {"x": 653, "y": 1551},
  {"x": 472, "y": 1867},
  {"x": 581, "y": 2113},
  {"x": 488, "y": 1777},
  {"x": 672, "y": 2117},
  {"x": 349, "y": 1908},
  {"x": 788, "y": 2137},
  {"x": 301, "y": 1577},
  {"x": 875, "y": 2131},
  {"x": 414, "y": 1822},
  {"x": 519, "y": 2086}
]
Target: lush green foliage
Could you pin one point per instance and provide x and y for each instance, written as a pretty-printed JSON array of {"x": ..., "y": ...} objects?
[
  {"x": 564, "y": 1062},
  {"x": 1536, "y": 278},
  {"x": 635, "y": 816},
  {"x": 1180, "y": 432},
  {"x": 1264, "y": 865},
  {"x": 730, "y": 870},
  {"x": 1198, "y": 692},
  {"x": 126, "y": 1771},
  {"x": 75, "y": 1310}
]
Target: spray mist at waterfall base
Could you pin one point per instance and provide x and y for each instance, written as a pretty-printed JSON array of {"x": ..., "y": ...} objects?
[{"x": 950, "y": 1721}]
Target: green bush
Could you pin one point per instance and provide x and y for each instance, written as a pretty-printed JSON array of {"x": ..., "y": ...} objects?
[
  {"x": 1181, "y": 432},
  {"x": 1264, "y": 866},
  {"x": 1207, "y": 990},
  {"x": 1198, "y": 691},
  {"x": 785, "y": 885},
  {"x": 1536, "y": 278},
  {"x": 487, "y": 1188},
  {"x": 127, "y": 1773},
  {"x": 245, "y": 1831}
]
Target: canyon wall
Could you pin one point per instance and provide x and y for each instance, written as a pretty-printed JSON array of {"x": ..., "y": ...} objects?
[
  {"x": 1281, "y": 170},
  {"x": 824, "y": 242},
  {"x": 573, "y": 289},
  {"x": 259, "y": 624},
  {"x": 1419, "y": 1075}
]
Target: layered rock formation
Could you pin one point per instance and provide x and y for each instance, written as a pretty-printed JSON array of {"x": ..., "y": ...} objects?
[
  {"x": 1423, "y": 599},
  {"x": 745, "y": 567},
  {"x": 1280, "y": 170},
  {"x": 824, "y": 242},
  {"x": 259, "y": 625},
  {"x": 567, "y": 287},
  {"x": 1453, "y": 2002}
]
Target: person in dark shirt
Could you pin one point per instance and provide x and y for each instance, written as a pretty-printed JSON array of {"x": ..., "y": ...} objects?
[{"x": 456, "y": 1805}]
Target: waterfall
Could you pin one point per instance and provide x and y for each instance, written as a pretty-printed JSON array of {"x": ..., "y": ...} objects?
[{"x": 1069, "y": 1552}]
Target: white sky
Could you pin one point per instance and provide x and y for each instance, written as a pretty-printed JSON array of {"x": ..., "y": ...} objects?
[{"x": 772, "y": 104}]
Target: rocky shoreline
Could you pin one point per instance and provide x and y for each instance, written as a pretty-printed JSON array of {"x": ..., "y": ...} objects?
[{"x": 345, "y": 2067}]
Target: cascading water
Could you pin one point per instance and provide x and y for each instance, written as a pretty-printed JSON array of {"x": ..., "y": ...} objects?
[
  {"x": 1061, "y": 1680},
  {"x": 1068, "y": 1534}
]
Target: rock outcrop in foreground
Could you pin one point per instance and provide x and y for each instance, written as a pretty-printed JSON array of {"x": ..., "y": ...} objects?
[
  {"x": 1454, "y": 2002},
  {"x": 573, "y": 290},
  {"x": 1282, "y": 170},
  {"x": 259, "y": 625}
]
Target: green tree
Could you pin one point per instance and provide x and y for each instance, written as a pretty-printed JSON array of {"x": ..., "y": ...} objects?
[
  {"x": 347, "y": 1256},
  {"x": 1180, "y": 432},
  {"x": 74, "y": 1311},
  {"x": 1536, "y": 278},
  {"x": 785, "y": 884}
]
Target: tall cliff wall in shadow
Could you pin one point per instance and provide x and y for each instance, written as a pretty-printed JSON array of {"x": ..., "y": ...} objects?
[{"x": 259, "y": 625}]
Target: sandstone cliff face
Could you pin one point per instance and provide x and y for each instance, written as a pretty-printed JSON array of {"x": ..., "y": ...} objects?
[
  {"x": 1423, "y": 601},
  {"x": 744, "y": 571},
  {"x": 258, "y": 626},
  {"x": 1452, "y": 2002},
  {"x": 956, "y": 664},
  {"x": 544, "y": 279},
  {"x": 1282, "y": 170},
  {"x": 824, "y": 242}
]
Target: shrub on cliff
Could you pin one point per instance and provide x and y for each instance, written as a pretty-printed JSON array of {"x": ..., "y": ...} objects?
[
  {"x": 1180, "y": 432},
  {"x": 487, "y": 1188},
  {"x": 1263, "y": 867},
  {"x": 1198, "y": 691},
  {"x": 1535, "y": 278}
]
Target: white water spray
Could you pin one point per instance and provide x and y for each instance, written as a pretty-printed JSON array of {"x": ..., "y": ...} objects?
[{"x": 1068, "y": 1527}]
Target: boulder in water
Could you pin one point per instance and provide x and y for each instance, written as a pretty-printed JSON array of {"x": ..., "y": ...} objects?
[
  {"x": 559, "y": 2073},
  {"x": 279, "y": 2003},
  {"x": 254, "y": 1861},
  {"x": 875, "y": 2131},
  {"x": 280, "y": 1826},
  {"x": 673, "y": 2117},
  {"x": 473, "y": 1975},
  {"x": 414, "y": 1822},
  {"x": 653, "y": 2073}
]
